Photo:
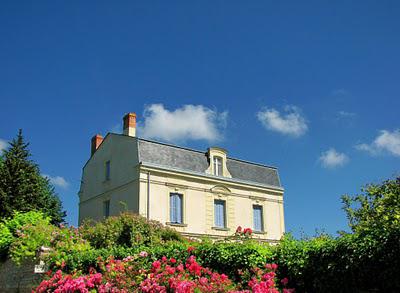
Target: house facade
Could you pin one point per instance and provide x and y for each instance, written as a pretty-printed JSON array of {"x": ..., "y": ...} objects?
[{"x": 197, "y": 193}]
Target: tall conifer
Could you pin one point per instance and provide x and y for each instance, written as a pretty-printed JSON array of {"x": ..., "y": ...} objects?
[{"x": 22, "y": 188}]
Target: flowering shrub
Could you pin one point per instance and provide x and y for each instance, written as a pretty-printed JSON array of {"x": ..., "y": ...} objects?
[
  {"x": 65, "y": 240},
  {"x": 243, "y": 233},
  {"x": 10, "y": 228},
  {"x": 30, "y": 238},
  {"x": 70, "y": 283},
  {"x": 127, "y": 230},
  {"x": 263, "y": 280},
  {"x": 164, "y": 275}
]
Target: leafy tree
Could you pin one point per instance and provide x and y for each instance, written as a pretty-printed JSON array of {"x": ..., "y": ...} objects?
[
  {"x": 22, "y": 188},
  {"x": 376, "y": 210}
]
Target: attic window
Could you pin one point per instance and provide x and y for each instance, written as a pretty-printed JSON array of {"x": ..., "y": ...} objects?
[
  {"x": 217, "y": 162},
  {"x": 217, "y": 166}
]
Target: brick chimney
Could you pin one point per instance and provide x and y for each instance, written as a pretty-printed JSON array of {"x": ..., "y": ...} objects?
[
  {"x": 96, "y": 141},
  {"x": 130, "y": 124}
]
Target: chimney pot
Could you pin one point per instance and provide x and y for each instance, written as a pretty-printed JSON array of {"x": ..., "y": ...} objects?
[
  {"x": 96, "y": 141},
  {"x": 130, "y": 124}
]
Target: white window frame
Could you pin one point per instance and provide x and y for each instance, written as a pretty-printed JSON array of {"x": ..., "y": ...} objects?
[
  {"x": 218, "y": 162},
  {"x": 224, "y": 226},
  {"x": 261, "y": 208},
  {"x": 176, "y": 221}
]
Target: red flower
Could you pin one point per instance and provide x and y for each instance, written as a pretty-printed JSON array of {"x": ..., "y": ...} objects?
[
  {"x": 156, "y": 265},
  {"x": 172, "y": 260},
  {"x": 238, "y": 229},
  {"x": 190, "y": 249},
  {"x": 248, "y": 231}
]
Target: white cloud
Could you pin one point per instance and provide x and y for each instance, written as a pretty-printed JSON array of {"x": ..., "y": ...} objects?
[
  {"x": 57, "y": 181},
  {"x": 290, "y": 123},
  {"x": 190, "y": 122},
  {"x": 3, "y": 144},
  {"x": 332, "y": 159},
  {"x": 345, "y": 114},
  {"x": 386, "y": 141}
]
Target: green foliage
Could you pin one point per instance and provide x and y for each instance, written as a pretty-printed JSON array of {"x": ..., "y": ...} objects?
[
  {"x": 364, "y": 261},
  {"x": 376, "y": 210},
  {"x": 127, "y": 230},
  {"x": 10, "y": 228},
  {"x": 76, "y": 260},
  {"x": 6, "y": 239},
  {"x": 30, "y": 239},
  {"x": 67, "y": 240},
  {"x": 348, "y": 263},
  {"x": 25, "y": 233},
  {"x": 233, "y": 258},
  {"x": 22, "y": 188}
]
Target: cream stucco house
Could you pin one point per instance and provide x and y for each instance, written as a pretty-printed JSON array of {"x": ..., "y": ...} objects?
[{"x": 198, "y": 193}]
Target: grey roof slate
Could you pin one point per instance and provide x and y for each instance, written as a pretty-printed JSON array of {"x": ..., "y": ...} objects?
[{"x": 195, "y": 161}]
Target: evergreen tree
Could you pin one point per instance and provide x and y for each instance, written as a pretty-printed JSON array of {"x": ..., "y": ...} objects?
[{"x": 22, "y": 188}]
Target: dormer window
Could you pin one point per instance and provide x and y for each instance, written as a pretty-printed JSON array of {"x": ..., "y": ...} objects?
[
  {"x": 218, "y": 166},
  {"x": 217, "y": 160}
]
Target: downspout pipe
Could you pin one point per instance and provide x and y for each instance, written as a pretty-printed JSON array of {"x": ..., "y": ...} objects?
[{"x": 148, "y": 195}]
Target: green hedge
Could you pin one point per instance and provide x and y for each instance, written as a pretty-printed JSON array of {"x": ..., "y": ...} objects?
[
  {"x": 349, "y": 263},
  {"x": 358, "y": 262}
]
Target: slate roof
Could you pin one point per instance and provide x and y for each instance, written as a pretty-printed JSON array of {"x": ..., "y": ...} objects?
[{"x": 184, "y": 159}]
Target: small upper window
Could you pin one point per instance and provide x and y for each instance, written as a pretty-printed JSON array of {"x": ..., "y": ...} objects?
[
  {"x": 106, "y": 208},
  {"x": 107, "y": 170},
  {"x": 218, "y": 166}
]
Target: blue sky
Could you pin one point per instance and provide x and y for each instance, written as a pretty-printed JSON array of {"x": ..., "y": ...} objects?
[{"x": 312, "y": 88}]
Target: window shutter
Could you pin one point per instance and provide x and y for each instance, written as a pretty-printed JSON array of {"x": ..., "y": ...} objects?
[{"x": 172, "y": 209}]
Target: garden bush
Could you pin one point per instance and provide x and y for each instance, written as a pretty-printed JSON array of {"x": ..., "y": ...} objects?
[
  {"x": 24, "y": 234},
  {"x": 11, "y": 227},
  {"x": 366, "y": 260},
  {"x": 132, "y": 274},
  {"x": 127, "y": 230}
]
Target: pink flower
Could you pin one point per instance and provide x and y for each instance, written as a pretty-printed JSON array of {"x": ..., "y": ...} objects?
[
  {"x": 284, "y": 281},
  {"x": 156, "y": 265},
  {"x": 271, "y": 267},
  {"x": 143, "y": 254},
  {"x": 172, "y": 260}
]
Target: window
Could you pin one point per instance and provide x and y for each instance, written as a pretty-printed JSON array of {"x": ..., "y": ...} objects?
[
  {"x": 219, "y": 213},
  {"x": 107, "y": 170},
  {"x": 106, "y": 208},
  {"x": 217, "y": 166},
  {"x": 175, "y": 208},
  {"x": 258, "y": 218}
]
